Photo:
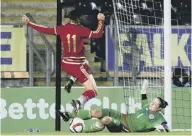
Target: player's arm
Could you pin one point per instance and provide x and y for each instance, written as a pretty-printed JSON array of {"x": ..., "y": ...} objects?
[
  {"x": 162, "y": 128},
  {"x": 144, "y": 99},
  {"x": 160, "y": 124},
  {"x": 99, "y": 31},
  {"x": 144, "y": 93},
  {"x": 87, "y": 33},
  {"x": 40, "y": 28}
]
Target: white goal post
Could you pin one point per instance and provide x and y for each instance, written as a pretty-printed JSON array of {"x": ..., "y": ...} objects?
[{"x": 167, "y": 61}]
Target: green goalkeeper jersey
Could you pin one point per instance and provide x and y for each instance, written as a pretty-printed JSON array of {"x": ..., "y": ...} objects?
[
  {"x": 141, "y": 121},
  {"x": 144, "y": 120}
]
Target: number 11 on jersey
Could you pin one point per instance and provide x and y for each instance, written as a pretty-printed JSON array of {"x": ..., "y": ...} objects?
[{"x": 69, "y": 42}]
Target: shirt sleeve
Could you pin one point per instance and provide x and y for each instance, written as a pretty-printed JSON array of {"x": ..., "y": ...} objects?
[
  {"x": 58, "y": 29},
  {"x": 84, "y": 32},
  {"x": 87, "y": 33},
  {"x": 144, "y": 102},
  {"x": 44, "y": 29}
]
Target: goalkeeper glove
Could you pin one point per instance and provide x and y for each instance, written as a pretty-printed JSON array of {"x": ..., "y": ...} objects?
[
  {"x": 144, "y": 86},
  {"x": 162, "y": 128}
]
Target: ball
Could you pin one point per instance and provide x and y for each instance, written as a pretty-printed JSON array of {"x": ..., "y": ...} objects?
[{"x": 76, "y": 125}]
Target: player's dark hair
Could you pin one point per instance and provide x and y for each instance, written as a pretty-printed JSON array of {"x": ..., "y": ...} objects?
[
  {"x": 74, "y": 15},
  {"x": 163, "y": 103}
]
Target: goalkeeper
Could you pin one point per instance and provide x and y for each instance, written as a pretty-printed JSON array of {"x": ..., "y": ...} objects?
[{"x": 147, "y": 119}]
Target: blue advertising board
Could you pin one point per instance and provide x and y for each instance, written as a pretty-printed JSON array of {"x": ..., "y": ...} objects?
[{"x": 150, "y": 48}]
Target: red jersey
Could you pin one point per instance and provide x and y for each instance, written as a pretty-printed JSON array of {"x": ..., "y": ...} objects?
[{"x": 72, "y": 37}]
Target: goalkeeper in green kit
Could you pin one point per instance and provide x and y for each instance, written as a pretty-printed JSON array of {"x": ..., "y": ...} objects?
[{"x": 147, "y": 119}]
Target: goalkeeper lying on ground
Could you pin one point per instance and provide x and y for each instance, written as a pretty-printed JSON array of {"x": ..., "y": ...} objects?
[{"x": 149, "y": 118}]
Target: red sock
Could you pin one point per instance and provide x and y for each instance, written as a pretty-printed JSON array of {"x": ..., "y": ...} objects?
[{"x": 88, "y": 94}]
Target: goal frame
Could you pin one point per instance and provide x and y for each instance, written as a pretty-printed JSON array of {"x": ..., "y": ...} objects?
[{"x": 167, "y": 57}]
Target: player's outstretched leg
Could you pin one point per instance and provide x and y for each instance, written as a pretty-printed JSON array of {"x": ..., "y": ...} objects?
[
  {"x": 65, "y": 115},
  {"x": 76, "y": 105}
]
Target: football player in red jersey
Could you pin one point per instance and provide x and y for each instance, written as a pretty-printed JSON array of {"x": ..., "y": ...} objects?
[{"x": 73, "y": 61}]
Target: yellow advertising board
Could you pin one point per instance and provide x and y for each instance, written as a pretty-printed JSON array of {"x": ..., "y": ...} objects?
[{"x": 13, "y": 49}]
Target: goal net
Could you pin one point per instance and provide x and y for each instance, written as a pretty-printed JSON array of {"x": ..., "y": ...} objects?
[{"x": 140, "y": 36}]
